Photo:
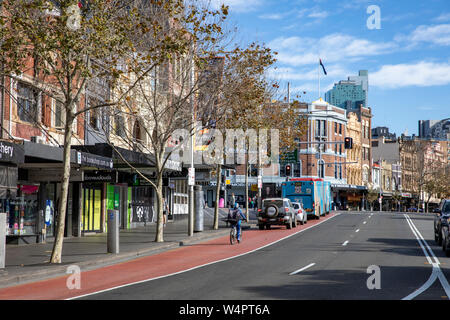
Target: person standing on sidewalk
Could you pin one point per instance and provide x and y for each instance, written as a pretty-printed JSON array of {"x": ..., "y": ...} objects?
[{"x": 165, "y": 211}]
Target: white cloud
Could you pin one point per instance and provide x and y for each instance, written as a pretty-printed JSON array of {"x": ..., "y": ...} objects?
[
  {"x": 238, "y": 5},
  {"x": 434, "y": 34},
  {"x": 439, "y": 34},
  {"x": 421, "y": 74},
  {"x": 297, "y": 51},
  {"x": 443, "y": 17},
  {"x": 318, "y": 14},
  {"x": 272, "y": 16}
]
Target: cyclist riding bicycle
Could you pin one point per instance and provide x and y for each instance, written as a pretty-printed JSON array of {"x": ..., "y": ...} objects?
[{"x": 238, "y": 215}]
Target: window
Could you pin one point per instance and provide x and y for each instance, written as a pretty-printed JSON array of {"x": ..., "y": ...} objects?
[
  {"x": 298, "y": 169},
  {"x": 59, "y": 114},
  {"x": 335, "y": 128},
  {"x": 321, "y": 128},
  {"x": 27, "y": 101},
  {"x": 365, "y": 175},
  {"x": 340, "y": 128},
  {"x": 119, "y": 125},
  {"x": 321, "y": 169}
]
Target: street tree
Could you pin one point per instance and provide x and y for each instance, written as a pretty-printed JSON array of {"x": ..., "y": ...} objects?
[{"x": 64, "y": 44}]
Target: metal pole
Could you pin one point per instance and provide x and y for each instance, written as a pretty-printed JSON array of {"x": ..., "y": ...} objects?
[
  {"x": 381, "y": 182},
  {"x": 191, "y": 186},
  {"x": 2, "y": 239}
]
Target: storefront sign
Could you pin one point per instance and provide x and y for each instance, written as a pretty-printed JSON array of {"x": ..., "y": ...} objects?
[
  {"x": 100, "y": 176},
  {"x": 92, "y": 160},
  {"x": 10, "y": 152},
  {"x": 406, "y": 195}
]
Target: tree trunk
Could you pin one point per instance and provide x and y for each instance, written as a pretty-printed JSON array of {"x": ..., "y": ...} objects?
[
  {"x": 58, "y": 244},
  {"x": 216, "y": 205},
  {"x": 160, "y": 217}
]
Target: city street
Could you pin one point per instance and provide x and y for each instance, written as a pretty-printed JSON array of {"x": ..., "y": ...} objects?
[
  {"x": 341, "y": 250},
  {"x": 325, "y": 259}
]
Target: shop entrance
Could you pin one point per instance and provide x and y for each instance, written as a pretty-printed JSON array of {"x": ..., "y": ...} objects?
[{"x": 92, "y": 209}]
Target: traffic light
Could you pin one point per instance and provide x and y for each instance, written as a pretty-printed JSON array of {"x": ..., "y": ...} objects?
[
  {"x": 348, "y": 143},
  {"x": 288, "y": 170}
]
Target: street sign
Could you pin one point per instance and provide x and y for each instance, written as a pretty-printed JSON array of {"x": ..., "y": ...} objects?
[
  {"x": 260, "y": 182},
  {"x": 289, "y": 157},
  {"x": 191, "y": 176},
  {"x": 228, "y": 181}
]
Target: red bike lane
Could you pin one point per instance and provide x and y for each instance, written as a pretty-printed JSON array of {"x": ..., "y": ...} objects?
[{"x": 155, "y": 266}]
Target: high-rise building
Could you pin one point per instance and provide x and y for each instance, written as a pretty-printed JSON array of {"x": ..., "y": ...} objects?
[
  {"x": 435, "y": 129},
  {"x": 351, "y": 93}
]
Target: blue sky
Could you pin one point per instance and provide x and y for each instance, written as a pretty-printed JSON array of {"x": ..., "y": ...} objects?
[{"x": 408, "y": 58}]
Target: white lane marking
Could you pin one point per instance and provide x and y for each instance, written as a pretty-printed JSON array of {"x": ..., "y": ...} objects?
[
  {"x": 436, "y": 271},
  {"x": 302, "y": 269},
  {"x": 345, "y": 243},
  {"x": 364, "y": 222},
  {"x": 200, "y": 266},
  {"x": 357, "y": 230}
]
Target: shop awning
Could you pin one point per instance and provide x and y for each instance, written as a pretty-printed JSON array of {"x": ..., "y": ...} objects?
[{"x": 348, "y": 187}]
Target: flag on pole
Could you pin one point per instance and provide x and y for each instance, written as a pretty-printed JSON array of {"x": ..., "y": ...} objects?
[{"x": 324, "y": 71}]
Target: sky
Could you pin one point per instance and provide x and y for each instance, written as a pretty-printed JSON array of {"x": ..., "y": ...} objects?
[{"x": 406, "y": 51}]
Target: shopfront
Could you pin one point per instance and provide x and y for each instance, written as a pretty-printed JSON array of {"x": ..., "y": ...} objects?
[
  {"x": 19, "y": 213},
  {"x": 349, "y": 197}
]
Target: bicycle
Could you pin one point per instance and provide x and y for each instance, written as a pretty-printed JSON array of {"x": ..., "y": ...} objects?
[{"x": 233, "y": 232}]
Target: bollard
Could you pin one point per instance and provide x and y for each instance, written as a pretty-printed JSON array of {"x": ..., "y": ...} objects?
[
  {"x": 2, "y": 239},
  {"x": 113, "y": 231},
  {"x": 198, "y": 211}
]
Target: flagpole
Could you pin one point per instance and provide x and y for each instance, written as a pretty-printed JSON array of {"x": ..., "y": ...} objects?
[{"x": 318, "y": 75}]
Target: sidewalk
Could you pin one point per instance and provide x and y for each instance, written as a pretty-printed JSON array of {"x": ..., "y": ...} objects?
[{"x": 26, "y": 263}]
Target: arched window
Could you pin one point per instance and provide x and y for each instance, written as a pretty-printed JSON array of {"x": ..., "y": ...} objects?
[
  {"x": 365, "y": 174},
  {"x": 321, "y": 169}
]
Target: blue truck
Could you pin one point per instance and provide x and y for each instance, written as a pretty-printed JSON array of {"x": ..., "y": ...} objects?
[{"x": 314, "y": 194}]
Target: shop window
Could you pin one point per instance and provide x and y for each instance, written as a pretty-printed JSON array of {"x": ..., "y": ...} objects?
[{"x": 27, "y": 102}]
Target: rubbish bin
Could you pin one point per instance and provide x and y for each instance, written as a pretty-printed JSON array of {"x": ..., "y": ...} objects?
[
  {"x": 198, "y": 208},
  {"x": 113, "y": 231}
]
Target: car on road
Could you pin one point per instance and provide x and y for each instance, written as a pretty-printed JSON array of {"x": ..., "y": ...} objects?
[
  {"x": 300, "y": 213},
  {"x": 276, "y": 211},
  {"x": 441, "y": 226},
  {"x": 441, "y": 217}
]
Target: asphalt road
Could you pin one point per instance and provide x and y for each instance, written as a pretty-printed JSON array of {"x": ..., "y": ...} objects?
[{"x": 327, "y": 261}]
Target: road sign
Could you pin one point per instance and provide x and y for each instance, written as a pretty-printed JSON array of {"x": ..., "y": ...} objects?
[
  {"x": 191, "y": 176},
  {"x": 289, "y": 157},
  {"x": 228, "y": 181}
]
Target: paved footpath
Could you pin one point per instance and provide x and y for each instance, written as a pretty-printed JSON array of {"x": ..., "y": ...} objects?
[{"x": 163, "y": 264}]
